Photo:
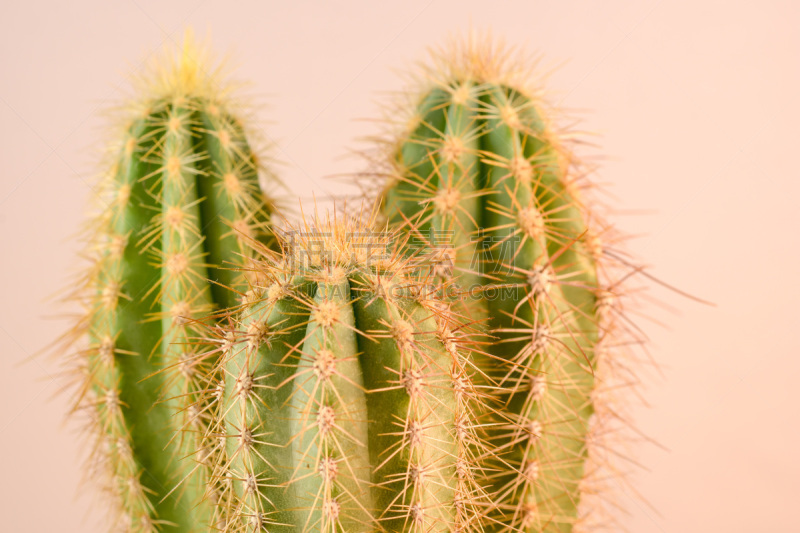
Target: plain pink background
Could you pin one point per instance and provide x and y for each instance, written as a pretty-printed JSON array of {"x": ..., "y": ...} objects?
[{"x": 695, "y": 105}]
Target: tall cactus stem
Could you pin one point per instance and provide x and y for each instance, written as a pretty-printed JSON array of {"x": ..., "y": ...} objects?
[
  {"x": 181, "y": 208},
  {"x": 480, "y": 163}
]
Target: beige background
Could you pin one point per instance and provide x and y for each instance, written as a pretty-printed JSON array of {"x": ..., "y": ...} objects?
[{"x": 697, "y": 110}]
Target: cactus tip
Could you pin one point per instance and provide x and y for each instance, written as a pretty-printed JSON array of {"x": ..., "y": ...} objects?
[{"x": 191, "y": 70}]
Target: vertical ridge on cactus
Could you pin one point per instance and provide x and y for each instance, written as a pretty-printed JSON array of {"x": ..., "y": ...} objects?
[
  {"x": 181, "y": 205},
  {"x": 349, "y": 403},
  {"x": 479, "y": 174}
]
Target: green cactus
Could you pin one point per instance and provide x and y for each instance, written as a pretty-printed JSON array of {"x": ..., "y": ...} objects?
[
  {"x": 183, "y": 206},
  {"x": 479, "y": 174},
  {"x": 351, "y": 383},
  {"x": 348, "y": 403}
]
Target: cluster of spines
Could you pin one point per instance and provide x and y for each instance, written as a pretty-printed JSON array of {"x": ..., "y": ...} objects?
[
  {"x": 349, "y": 402},
  {"x": 479, "y": 174},
  {"x": 180, "y": 205}
]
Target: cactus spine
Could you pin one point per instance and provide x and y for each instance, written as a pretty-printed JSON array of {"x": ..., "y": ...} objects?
[
  {"x": 479, "y": 174},
  {"x": 183, "y": 203},
  {"x": 348, "y": 403}
]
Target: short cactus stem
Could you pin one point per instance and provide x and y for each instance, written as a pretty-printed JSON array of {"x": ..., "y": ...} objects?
[
  {"x": 349, "y": 403},
  {"x": 183, "y": 180},
  {"x": 480, "y": 163}
]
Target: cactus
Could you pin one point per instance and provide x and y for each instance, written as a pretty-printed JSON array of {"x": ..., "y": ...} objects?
[
  {"x": 350, "y": 383},
  {"x": 479, "y": 174},
  {"x": 182, "y": 205},
  {"x": 348, "y": 402}
]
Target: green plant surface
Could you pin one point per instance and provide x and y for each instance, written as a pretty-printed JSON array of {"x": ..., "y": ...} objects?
[
  {"x": 349, "y": 403},
  {"x": 479, "y": 173},
  {"x": 181, "y": 207}
]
